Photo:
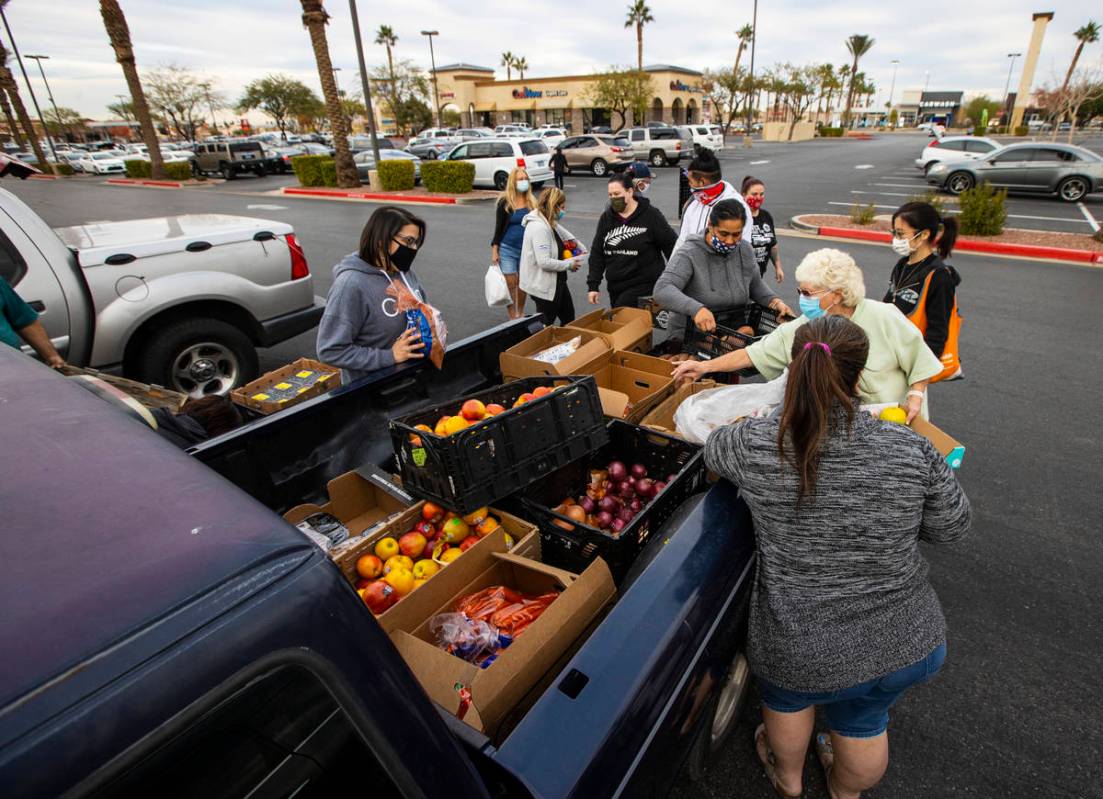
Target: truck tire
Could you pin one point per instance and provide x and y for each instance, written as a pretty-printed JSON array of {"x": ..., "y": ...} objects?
[
  {"x": 226, "y": 172},
  {"x": 500, "y": 179},
  {"x": 657, "y": 158},
  {"x": 720, "y": 718},
  {"x": 198, "y": 357}
]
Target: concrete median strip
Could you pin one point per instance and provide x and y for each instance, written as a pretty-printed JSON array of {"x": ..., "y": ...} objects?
[
  {"x": 963, "y": 244},
  {"x": 387, "y": 197},
  {"x": 159, "y": 184}
]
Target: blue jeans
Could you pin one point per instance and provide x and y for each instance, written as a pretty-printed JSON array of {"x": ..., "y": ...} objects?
[
  {"x": 509, "y": 259},
  {"x": 861, "y": 711}
]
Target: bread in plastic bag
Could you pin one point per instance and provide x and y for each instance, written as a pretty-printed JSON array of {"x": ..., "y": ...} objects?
[
  {"x": 559, "y": 351},
  {"x": 706, "y": 411}
]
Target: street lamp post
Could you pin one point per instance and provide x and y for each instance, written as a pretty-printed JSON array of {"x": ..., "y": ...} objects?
[
  {"x": 433, "y": 62},
  {"x": 38, "y": 60},
  {"x": 364, "y": 82},
  {"x": 1007, "y": 88},
  {"x": 30, "y": 89},
  {"x": 892, "y": 88}
]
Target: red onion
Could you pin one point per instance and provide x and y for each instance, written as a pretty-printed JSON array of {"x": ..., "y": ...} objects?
[
  {"x": 604, "y": 520},
  {"x": 639, "y": 470},
  {"x": 631, "y": 481},
  {"x": 670, "y": 478},
  {"x": 587, "y": 504},
  {"x": 635, "y": 505},
  {"x": 627, "y": 491},
  {"x": 618, "y": 525},
  {"x": 607, "y": 504},
  {"x": 645, "y": 488},
  {"x": 625, "y": 514},
  {"x": 659, "y": 487},
  {"x": 617, "y": 471}
]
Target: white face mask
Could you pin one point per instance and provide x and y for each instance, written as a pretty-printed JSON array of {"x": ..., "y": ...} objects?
[
  {"x": 902, "y": 246},
  {"x": 522, "y": 186}
]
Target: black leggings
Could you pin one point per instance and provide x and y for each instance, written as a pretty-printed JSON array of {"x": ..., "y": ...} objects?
[{"x": 561, "y": 306}]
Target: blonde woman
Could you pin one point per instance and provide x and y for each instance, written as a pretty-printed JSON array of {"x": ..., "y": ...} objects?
[
  {"x": 900, "y": 363},
  {"x": 543, "y": 271},
  {"x": 514, "y": 204}
]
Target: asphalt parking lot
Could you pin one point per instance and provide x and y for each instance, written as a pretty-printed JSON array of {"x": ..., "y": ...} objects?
[{"x": 1014, "y": 713}]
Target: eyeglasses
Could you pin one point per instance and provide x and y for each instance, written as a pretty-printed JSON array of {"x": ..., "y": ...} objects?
[
  {"x": 408, "y": 241},
  {"x": 807, "y": 293}
]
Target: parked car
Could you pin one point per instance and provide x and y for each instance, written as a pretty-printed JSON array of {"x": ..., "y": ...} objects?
[
  {"x": 708, "y": 136},
  {"x": 659, "y": 146},
  {"x": 279, "y": 158},
  {"x": 951, "y": 149},
  {"x": 358, "y": 144},
  {"x": 230, "y": 159},
  {"x": 597, "y": 154},
  {"x": 102, "y": 163},
  {"x": 313, "y": 148},
  {"x": 470, "y": 134},
  {"x": 551, "y": 136},
  {"x": 181, "y": 301},
  {"x": 365, "y": 162},
  {"x": 936, "y": 129},
  {"x": 26, "y": 157},
  {"x": 495, "y": 158},
  {"x": 428, "y": 149},
  {"x": 72, "y": 158},
  {"x": 601, "y": 129},
  {"x": 1039, "y": 126},
  {"x": 514, "y": 131},
  {"x": 1066, "y": 170},
  {"x": 439, "y": 133}
]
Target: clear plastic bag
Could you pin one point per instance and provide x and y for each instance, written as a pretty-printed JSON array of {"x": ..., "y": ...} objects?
[
  {"x": 473, "y": 640},
  {"x": 704, "y": 412},
  {"x": 559, "y": 351}
]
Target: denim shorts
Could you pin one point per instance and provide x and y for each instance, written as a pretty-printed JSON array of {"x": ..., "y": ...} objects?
[
  {"x": 861, "y": 711},
  {"x": 509, "y": 259}
]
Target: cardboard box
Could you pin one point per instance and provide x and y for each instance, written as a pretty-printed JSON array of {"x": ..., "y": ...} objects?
[
  {"x": 518, "y": 362},
  {"x": 496, "y": 690},
  {"x": 358, "y": 503},
  {"x": 631, "y": 384},
  {"x": 627, "y": 329},
  {"x": 661, "y": 418},
  {"x": 946, "y": 444},
  {"x": 289, "y": 385}
]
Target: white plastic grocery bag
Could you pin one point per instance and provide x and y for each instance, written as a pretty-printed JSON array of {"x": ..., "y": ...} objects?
[
  {"x": 497, "y": 292},
  {"x": 705, "y": 411}
]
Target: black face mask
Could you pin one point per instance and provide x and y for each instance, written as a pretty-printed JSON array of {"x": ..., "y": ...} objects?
[{"x": 403, "y": 258}]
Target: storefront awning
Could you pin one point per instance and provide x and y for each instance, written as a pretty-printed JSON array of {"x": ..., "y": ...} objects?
[{"x": 486, "y": 107}]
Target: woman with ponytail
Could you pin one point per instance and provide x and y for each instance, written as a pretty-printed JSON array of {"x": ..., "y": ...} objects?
[
  {"x": 842, "y": 613},
  {"x": 922, "y": 286}
]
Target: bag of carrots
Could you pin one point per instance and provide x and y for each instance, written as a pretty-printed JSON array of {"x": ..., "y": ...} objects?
[{"x": 506, "y": 609}]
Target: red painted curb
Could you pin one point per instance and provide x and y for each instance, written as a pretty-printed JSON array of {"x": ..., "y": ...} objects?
[
  {"x": 43, "y": 177},
  {"x": 995, "y": 248},
  {"x": 359, "y": 195},
  {"x": 164, "y": 184}
]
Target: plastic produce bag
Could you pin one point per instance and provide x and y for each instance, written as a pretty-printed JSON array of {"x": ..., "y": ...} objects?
[
  {"x": 473, "y": 640},
  {"x": 508, "y": 610},
  {"x": 704, "y": 412},
  {"x": 497, "y": 292},
  {"x": 424, "y": 317},
  {"x": 559, "y": 351}
]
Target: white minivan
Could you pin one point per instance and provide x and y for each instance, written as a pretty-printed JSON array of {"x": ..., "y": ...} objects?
[
  {"x": 495, "y": 158},
  {"x": 707, "y": 136}
]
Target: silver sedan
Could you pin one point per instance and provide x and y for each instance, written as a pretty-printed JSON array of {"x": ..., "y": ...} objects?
[
  {"x": 365, "y": 162},
  {"x": 1068, "y": 171}
]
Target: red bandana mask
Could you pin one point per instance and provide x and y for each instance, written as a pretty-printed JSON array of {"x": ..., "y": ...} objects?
[
  {"x": 709, "y": 194},
  {"x": 754, "y": 202}
]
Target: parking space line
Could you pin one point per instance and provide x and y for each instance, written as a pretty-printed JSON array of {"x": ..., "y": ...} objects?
[
  {"x": 1009, "y": 216},
  {"x": 901, "y": 185},
  {"x": 1088, "y": 216},
  {"x": 883, "y": 193}
]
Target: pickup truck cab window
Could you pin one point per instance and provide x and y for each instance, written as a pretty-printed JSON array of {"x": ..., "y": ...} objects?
[{"x": 12, "y": 265}]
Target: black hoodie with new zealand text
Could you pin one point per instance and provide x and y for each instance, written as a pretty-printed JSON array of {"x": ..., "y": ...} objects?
[{"x": 630, "y": 253}]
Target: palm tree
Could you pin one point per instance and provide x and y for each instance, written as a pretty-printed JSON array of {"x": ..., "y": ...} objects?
[
  {"x": 508, "y": 60},
  {"x": 1085, "y": 35},
  {"x": 745, "y": 34},
  {"x": 639, "y": 15},
  {"x": 521, "y": 64},
  {"x": 16, "y": 133},
  {"x": 388, "y": 38},
  {"x": 859, "y": 44},
  {"x": 119, "y": 33},
  {"x": 315, "y": 20},
  {"x": 7, "y": 82}
]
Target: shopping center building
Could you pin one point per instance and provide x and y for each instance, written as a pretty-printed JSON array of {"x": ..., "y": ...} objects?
[{"x": 678, "y": 97}]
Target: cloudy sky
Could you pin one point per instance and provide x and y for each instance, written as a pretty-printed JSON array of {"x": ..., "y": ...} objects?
[{"x": 962, "y": 46}]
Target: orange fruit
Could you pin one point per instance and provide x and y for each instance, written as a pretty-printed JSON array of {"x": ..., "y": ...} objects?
[
  {"x": 541, "y": 391},
  {"x": 455, "y": 530},
  {"x": 369, "y": 567},
  {"x": 439, "y": 429},
  {"x": 401, "y": 580},
  {"x": 416, "y": 440},
  {"x": 450, "y": 554},
  {"x": 386, "y": 548},
  {"x": 397, "y": 562},
  {"x": 473, "y": 410},
  {"x": 487, "y": 526},
  {"x": 494, "y": 409},
  {"x": 431, "y": 512},
  {"x": 424, "y": 569},
  {"x": 477, "y": 516},
  {"x": 455, "y": 424}
]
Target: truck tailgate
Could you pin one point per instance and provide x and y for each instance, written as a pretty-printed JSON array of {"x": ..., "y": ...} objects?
[{"x": 628, "y": 702}]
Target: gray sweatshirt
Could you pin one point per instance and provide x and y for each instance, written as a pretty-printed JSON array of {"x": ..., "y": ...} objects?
[
  {"x": 697, "y": 277},
  {"x": 841, "y": 594},
  {"x": 360, "y": 323}
]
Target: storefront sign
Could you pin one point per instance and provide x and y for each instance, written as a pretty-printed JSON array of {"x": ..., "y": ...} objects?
[
  {"x": 447, "y": 95},
  {"x": 555, "y": 93},
  {"x": 526, "y": 94},
  {"x": 678, "y": 86}
]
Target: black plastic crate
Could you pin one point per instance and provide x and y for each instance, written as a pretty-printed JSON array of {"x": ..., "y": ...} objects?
[
  {"x": 575, "y": 549},
  {"x": 726, "y": 337},
  {"x": 497, "y": 457}
]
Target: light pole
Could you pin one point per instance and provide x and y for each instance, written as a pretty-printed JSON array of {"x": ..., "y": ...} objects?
[
  {"x": 750, "y": 78},
  {"x": 364, "y": 82},
  {"x": 1007, "y": 88},
  {"x": 23, "y": 69},
  {"x": 38, "y": 60},
  {"x": 433, "y": 62}
]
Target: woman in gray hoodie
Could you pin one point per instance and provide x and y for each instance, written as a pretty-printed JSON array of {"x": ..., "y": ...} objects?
[
  {"x": 713, "y": 270},
  {"x": 362, "y": 329}
]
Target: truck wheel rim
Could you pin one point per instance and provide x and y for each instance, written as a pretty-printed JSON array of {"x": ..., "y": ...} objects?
[
  {"x": 730, "y": 694},
  {"x": 1073, "y": 190},
  {"x": 204, "y": 369}
]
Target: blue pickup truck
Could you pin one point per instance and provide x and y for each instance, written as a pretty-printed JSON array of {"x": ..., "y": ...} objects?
[{"x": 166, "y": 633}]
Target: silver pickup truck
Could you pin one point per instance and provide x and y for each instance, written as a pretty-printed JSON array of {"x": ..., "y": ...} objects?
[{"x": 180, "y": 301}]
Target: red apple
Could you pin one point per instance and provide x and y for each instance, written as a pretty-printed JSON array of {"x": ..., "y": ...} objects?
[
  {"x": 412, "y": 544},
  {"x": 379, "y": 596},
  {"x": 469, "y": 542}
]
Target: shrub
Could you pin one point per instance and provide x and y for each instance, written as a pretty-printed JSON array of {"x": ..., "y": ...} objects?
[
  {"x": 983, "y": 210},
  {"x": 308, "y": 169},
  {"x": 862, "y": 214},
  {"x": 448, "y": 177},
  {"x": 831, "y": 132},
  {"x": 396, "y": 175},
  {"x": 329, "y": 173},
  {"x": 138, "y": 169},
  {"x": 62, "y": 169},
  {"x": 980, "y": 130},
  {"x": 931, "y": 198},
  {"x": 1022, "y": 130},
  {"x": 178, "y": 170}
]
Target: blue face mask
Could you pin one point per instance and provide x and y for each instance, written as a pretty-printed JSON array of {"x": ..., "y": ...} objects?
[
  {"x": 721, "y": 247},
  {"x": 560, "y": 214},
  {"x": 810, "y": 307}
]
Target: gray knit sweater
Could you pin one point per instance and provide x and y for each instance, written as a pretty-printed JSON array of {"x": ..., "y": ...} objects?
[{"x": 841, "y": 594}]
